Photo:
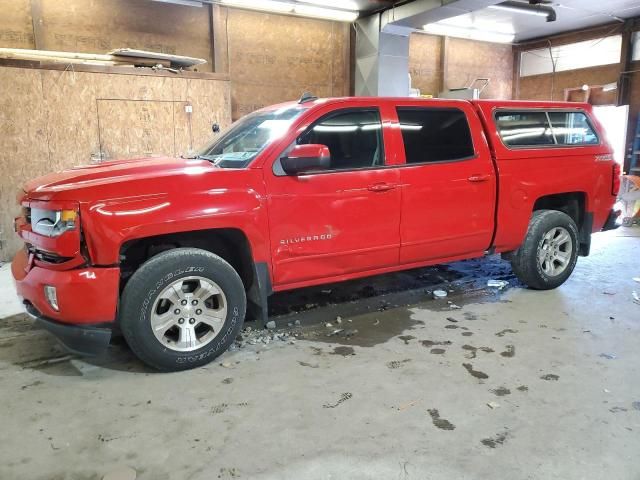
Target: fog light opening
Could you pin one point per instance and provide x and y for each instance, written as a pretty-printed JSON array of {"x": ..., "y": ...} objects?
[{"x": 51, "y": 296}]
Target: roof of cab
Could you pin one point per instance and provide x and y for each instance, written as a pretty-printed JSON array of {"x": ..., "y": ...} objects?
[{"x": 484, "y": 104}]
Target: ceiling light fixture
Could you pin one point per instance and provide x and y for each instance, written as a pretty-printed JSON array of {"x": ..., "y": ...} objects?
[
  {"x": 511, "y": 9},
  {"x": 293, "y": 8},
  {"x": 469, "y": 33},
  {"x": 326, "y": 13},
  {"x": 341, "y": 4},
  {"x": 264, "y": 5}
]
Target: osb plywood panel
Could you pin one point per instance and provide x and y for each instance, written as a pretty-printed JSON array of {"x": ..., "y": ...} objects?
[
  {"x": 16, "y": 28},
  {"x": 23, "y": 145},
  {"x": 49, "y": 121},
  {"x": 210, "y": 105},
  {"x": 468, "y": 60},
  {"x": 101, "y": 25},
  {"x": 275, "y": 58},
  {"x": 127, "y": 87},
  {"x": 130, "y": 128},
  {"x": 424, "y": 62},
  {"x": 551, "y": 87},
  {"x": 70, "y": 107}
]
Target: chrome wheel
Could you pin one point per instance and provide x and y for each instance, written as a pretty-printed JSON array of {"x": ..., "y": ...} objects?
[
  {"x": 189, "y": 313},
  {"x": 555, "y": 251}
]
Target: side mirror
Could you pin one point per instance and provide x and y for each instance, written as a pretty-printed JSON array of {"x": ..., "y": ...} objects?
[{"x": 306, "y": 158}]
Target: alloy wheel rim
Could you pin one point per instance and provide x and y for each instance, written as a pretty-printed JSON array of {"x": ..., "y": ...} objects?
[
  {"x": 555, "y": 251},
  {"x": 189, "y": 313}
]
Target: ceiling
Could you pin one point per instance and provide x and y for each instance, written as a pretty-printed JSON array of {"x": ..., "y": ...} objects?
[{"x": 571, "y": 15}]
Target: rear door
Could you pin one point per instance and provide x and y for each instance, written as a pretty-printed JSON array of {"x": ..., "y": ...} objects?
[
  {"x": 333, "y": 223},
  {"x": 448, "y": 182}
]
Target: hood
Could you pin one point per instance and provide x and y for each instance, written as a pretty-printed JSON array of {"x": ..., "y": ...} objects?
[{"x": 118, "y": 171}]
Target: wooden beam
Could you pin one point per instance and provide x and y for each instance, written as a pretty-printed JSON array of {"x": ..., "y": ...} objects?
[
  {"x": 219, "y": 17},
  {"x": 515, "y": 82},
  {"x": 444, "y": 62},
  {"x": 38, "y": 24}
]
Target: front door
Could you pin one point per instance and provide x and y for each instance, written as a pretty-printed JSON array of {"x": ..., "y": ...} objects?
[
  {"x": 448, "y": 183},
  {"x": 345, "y": 219}
]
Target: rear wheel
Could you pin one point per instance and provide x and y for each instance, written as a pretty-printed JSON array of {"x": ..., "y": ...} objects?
[
  {"x": 549, "y": 252},
  {"x": 182, "y": 308}
]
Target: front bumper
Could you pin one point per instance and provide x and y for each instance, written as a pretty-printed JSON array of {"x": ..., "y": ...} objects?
[
  {"x": 80, "y": 339},
  {"x": 612, "y": 220},
  {"x": 86, "y": 296}
]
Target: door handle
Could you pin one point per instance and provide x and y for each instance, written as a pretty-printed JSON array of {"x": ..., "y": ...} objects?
[
  {"x": 381, "y": 187},
  {"x": 479, "y": 178}
]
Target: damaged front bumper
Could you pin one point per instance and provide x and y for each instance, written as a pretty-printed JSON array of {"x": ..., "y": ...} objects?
[{"x": 84, "y": 340}]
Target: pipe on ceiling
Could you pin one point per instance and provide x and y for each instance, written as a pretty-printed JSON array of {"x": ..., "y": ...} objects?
[{"x": 527, "y": 7}]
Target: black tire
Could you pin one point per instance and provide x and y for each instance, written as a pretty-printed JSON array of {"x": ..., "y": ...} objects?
[
  {"x": 147, "y": 283},
  {"x": 524, "y": 260}
]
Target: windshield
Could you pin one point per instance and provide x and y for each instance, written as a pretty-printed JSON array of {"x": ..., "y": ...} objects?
[{"x": 247, "y": 137}]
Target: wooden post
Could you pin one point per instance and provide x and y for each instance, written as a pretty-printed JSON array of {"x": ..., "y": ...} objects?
[
  {"x": 515, "y": 81},
  {"x": 444, "y": 62},
  {"x": 38, "y": 24},
  {"x": 219, "y": 16}
]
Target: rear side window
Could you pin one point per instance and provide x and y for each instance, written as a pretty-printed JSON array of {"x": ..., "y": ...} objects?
[
  {"x": 572, "y": 128},
  {"x": 519, "y": 129},
  {"x": 435, "y": 134},
  {"x": 540, "y": 128}
]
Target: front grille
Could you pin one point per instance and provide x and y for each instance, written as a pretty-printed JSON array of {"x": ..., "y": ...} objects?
[
  {"x": 46, "y": 256},
  {"x": 26, "y": 211}
]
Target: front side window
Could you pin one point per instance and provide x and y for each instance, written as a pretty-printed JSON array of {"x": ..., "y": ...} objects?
[
  {"x": 435, "y": 134},
  {"x": 248, "y": 137},
  {"x": 540, "y": 128},
  {"x": 354, "y": 138}
]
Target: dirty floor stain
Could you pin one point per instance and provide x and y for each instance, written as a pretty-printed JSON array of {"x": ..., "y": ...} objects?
[{"x": 439, "y": 422}]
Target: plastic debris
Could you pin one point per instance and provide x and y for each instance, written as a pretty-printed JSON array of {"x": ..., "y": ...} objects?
[
  {"x": 493, "y": 405},
  {"x": 497, "y": 283},
  {"x": 271, "y": 325},
  {"x": 608, "y": 356},
  {"x": 439, "y": 294}
]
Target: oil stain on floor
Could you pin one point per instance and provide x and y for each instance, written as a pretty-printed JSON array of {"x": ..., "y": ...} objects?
[
  {"x": 475, "y": 373},
  {"x": 439, "y": 422}
]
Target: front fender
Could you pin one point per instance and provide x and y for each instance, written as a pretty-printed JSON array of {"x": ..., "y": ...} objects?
[{"x": 109, "y": 224}]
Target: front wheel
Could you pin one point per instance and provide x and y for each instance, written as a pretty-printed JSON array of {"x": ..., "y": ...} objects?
[
  {"x": 182, "y": 308},
  {"x": 549, "y": 252}
]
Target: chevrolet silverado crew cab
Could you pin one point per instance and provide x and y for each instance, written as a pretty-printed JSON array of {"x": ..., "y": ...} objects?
[{"x": 174, "y": 252}]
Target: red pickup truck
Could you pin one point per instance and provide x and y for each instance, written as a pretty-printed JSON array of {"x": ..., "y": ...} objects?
[{"x": 175, "y": 251}]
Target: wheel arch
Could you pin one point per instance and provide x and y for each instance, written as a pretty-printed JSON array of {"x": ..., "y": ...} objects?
[
  {"x": 231, "y": 244},
  {"x": 574, "y": 204}
]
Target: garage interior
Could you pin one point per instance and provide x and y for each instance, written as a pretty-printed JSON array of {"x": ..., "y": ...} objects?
[{"x": 370, "y": 378}]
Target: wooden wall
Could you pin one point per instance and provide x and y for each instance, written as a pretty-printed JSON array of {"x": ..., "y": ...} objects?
[
  {"x": 55, "y": 119},
  {"x": 552, "y": 87},
  {"x": 435, "y": 63},
  {"x": 275, "y": 58},
  {"x": 97, "y": 26},
  {"x": 271, "y": 58}
]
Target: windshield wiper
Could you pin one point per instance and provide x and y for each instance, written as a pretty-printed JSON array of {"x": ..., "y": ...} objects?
[{"x": 210, "y": 158}]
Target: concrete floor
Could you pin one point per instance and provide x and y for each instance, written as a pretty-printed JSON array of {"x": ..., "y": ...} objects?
[{"x": 513, "y": 385}]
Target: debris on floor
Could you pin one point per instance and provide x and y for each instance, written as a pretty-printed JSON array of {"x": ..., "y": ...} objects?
[
  {"x": 439, "y": 294},
  {"x": 497, "y": 283}
]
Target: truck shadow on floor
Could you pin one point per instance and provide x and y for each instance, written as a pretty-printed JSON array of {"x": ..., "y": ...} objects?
[{"x": 25, "y": 345}]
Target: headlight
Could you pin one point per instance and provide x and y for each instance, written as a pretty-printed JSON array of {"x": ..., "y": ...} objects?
[{"x": 53, "y": 223}]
